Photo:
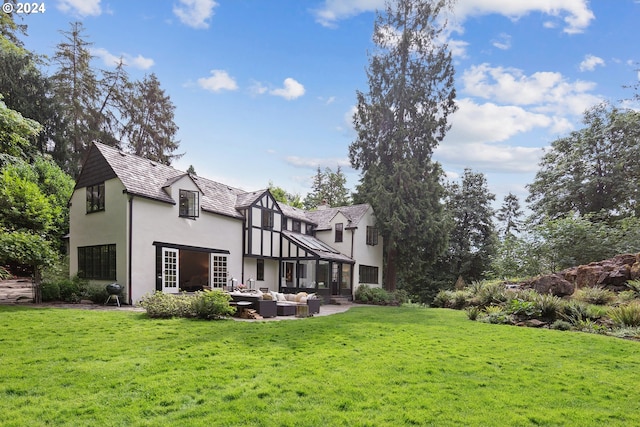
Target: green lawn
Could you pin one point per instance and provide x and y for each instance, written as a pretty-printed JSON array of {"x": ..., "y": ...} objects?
[{"x": 371, "y": 366}]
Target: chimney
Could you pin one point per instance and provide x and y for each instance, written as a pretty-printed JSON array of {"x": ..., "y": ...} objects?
[{"x": 323, "y": 205}]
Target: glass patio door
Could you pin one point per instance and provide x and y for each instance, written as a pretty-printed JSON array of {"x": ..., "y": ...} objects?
[{"x": 170, "y": 270}]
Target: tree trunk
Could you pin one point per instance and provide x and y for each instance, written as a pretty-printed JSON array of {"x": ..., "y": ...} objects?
[{"x": 391, "y": 268}]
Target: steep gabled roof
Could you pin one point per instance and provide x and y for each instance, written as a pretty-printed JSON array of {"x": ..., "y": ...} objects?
[
  {"x": 146, "y": 178},
  {"x": 323, "y": 217}
]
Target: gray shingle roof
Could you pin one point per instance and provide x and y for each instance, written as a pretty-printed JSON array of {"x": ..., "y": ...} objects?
[
  {"x": 354, "y": 214},
  {"x": 146, "y": 178}
]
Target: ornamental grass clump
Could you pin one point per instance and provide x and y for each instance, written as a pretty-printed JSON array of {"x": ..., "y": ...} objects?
[
  {"x": 595, "y": 295},
  {"x": 627, "y": 315},
  {"x": 549, "y": 306}
]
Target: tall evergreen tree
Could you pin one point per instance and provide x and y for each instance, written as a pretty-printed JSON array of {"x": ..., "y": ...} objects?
[
  {"x": 399, "y": 122},
  {"x": 328, "y": 187},
  {"x": 472, "y": 240},
  {"x": 149, "y": 127},
  {"x": 76, "y": 89},
  {"x": 509, "y": 215}
]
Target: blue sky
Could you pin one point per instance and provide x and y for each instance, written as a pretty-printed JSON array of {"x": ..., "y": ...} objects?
[{"x": 264, "y": 90}]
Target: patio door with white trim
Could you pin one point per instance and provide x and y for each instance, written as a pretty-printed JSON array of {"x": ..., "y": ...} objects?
[{"x": 170, "y": 270}]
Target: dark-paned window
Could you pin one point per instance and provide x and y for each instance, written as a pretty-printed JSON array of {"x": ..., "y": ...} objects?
[
  {"x": 267, "y": 219},
  {"x": 368, "y": 274},
  {"x": 372, "y": 236},
  {"x": 97, "y": 262},
  {"x": 339, "y": 232},
  {"x": 295, "y": 226},
  {"x": 95, "y": 198},
  {"x": 189, "y": 204},
  {"x": 309, "y": 229},
  {"x": 284, "y": 222},
  {"x": 260, "y": 269}
]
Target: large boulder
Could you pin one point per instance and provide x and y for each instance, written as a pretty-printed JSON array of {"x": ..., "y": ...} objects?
[{"x": 553, "y": 284}]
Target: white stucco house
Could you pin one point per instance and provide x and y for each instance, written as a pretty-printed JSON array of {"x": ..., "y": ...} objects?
[{"x": 149, "y": 227}]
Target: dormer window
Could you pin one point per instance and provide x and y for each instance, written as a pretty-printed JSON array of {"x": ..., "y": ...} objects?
[
  {"x": 95, "y": 198},
  {"x": 189, "y": 207},
  {"x": 296, "y": 226}
]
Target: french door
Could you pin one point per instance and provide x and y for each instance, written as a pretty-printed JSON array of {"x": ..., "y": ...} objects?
[{"x": 170, "y": 270}]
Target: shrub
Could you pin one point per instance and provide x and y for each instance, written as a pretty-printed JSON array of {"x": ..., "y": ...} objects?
[
  {"x": 368, "y": 295},
  {"x": 588, "y": 325},
  {"x": 561, "y": 325},
  {"x": 399, "y": 297},
  {"x": 96, "y": 293},
  {"x": 164, "y": 306},
  {"x": 626, "y": 315},
  {"x": 212, "y": 305},
  {"x": 490, "y": 293},
  {"x": 523, "y": 309},
  {"x": 441, "y": 299},
  {"x": 495, "y": 314},
  {"x": 595, "y": 295},
  {"x": 50, "y": 292}
]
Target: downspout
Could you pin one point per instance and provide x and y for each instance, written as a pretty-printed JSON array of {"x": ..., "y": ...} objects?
[
  {"x": 353, "y": 233},
  {"x": 130, "y": 257}
]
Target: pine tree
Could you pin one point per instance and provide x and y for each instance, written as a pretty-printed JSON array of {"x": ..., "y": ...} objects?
[
  {"x": 509, "y": 214},
  {"x": 399, "y": 123},
  {"x": 149, "y": 129},
  {"x": 472, "y": 240},
  {"x": 329, "y": 188},
  {"x": 76, "y": 90}
]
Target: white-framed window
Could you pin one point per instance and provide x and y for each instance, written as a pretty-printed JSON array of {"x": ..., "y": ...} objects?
[{"x": 219, "y": 272}]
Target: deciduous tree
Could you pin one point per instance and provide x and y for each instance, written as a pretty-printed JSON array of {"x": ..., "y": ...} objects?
[{"x": 593, "y": 170}]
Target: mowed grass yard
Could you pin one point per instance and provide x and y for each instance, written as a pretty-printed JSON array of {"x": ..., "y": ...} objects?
[{"x": 370, "y": 366}]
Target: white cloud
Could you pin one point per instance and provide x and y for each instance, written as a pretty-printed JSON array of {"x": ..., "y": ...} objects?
[
  {"x": 219, "y": 80},
  {"x": 590, "y": 62},
  {"x": 489, "y": 122},
  {"x": 195, "y": 13},
  {"x": 257, "y": 88},
  {"x": 503, "y": 42},
  {"x": 111, "y": 60},
  {"x": 335, "y": 10},
  {"x": 314, "y": 162},
  {"x": 490, "y": 158},
  {"x": 544, "y": 91},
  {"x": 291, "y": 90},
  {"x": 80, "y": 8},
  {"x": 576, "y": 13}
]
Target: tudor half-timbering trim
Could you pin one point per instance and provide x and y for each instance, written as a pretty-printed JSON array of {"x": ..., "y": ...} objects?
[{"x": 262, "y": 227}]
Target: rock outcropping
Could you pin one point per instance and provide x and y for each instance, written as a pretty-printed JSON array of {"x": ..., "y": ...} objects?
[{"x": 611, "y": 273}]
